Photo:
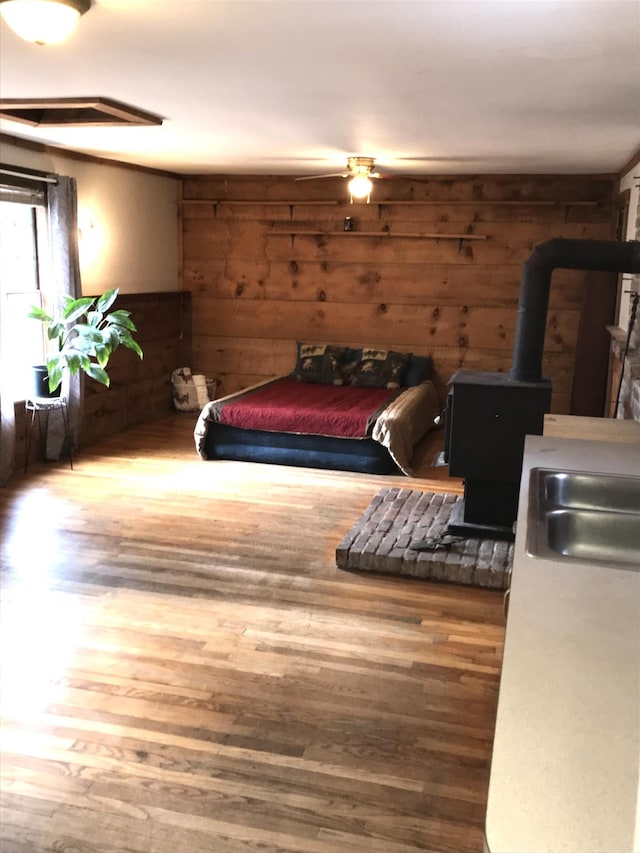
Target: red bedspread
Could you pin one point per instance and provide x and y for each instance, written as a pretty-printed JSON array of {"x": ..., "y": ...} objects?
[{"x": 288, "y": 405}]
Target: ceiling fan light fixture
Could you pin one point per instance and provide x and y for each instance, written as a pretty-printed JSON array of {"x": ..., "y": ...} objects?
[
  {"x": 360, "y": 187},
  {"x": 43, "y": 21}
]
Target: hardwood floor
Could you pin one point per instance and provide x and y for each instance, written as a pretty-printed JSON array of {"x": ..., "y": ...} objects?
[{"x": 185, "y": 669}]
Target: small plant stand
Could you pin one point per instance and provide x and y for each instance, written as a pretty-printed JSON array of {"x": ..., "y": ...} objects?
[{"x": 40, "y": 409}]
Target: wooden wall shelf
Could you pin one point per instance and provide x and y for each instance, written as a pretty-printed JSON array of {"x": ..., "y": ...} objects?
[
  {"x": 386, "y": 203},
  {"x": 472, "y": 202},
  {"x": 264, "y": 202},
  {"x": 384, "y": 234}
]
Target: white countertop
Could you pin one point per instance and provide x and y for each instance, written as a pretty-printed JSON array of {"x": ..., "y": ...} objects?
[{"x": 566, "y": 756}]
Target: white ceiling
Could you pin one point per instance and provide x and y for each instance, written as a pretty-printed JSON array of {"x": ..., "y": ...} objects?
[{"x": 297, "y": 86}]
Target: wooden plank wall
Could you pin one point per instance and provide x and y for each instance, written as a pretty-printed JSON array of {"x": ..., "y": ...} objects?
[
  {"x": 140, "y": 391},
  {"x": 257, "y": 289}
]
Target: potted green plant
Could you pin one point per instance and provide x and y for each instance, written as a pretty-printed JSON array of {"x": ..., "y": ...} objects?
[{"x": 85, "y": 336}]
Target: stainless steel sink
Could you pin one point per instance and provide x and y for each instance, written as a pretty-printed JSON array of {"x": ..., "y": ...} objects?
[
  {"x": 586, "y": 517},
  {"x": 605, "y": 492}
]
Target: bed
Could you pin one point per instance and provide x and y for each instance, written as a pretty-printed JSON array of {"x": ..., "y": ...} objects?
[{"x": 342, "y": 408}]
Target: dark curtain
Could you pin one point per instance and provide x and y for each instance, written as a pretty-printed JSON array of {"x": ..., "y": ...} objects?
[{"x": 62, "y": 203}]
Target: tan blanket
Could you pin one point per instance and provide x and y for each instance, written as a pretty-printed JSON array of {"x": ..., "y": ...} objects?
[{"x": 405, "y": 420}]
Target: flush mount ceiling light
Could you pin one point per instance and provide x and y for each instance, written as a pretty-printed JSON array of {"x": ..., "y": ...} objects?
[{"x": 43, "y": 21}]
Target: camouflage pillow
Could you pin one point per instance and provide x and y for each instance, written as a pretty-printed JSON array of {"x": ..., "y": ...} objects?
[
  {"x": 320, "y": 363},
  {"x": 379, "y": 369}
]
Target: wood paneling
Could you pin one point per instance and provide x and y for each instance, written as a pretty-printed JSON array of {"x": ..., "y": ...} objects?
[
  {"x": 256, "y": 289},
  {"x": 592, "y": 357},
  {"x": 447, "y": 326},
  {"x": 140, "y": 390},
  {"x": 479, "y": 190},
  {"x": 306, "y": 281},
  {"x": 185, "y": 670}
]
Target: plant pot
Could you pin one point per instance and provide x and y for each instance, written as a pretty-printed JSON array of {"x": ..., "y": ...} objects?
[{"x": 40, "y": 382}]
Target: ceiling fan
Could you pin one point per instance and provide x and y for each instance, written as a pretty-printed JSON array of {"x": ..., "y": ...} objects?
[{"x": 360, "y": 170}]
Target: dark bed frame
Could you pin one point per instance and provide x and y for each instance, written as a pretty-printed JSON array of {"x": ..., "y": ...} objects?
[{"x": 362, "y": 455}]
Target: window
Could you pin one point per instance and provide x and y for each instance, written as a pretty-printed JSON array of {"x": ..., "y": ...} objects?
[{"x": 23, "y": 276}]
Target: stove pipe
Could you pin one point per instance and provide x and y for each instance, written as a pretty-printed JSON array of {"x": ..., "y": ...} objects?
[{"x": 600, "y": 255}]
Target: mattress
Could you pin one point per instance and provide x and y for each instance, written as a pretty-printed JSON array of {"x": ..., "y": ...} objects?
[{"x": 325, "y": 426}]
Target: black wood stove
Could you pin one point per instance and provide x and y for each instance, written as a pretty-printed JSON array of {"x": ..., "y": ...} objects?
[{"x": 488, "y": 415}]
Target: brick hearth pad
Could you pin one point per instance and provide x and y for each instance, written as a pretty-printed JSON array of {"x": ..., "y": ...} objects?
[{"x": 380, "y": 542}]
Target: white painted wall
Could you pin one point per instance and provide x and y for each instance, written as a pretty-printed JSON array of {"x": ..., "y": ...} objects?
[{"x": 133, "y": 241}]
